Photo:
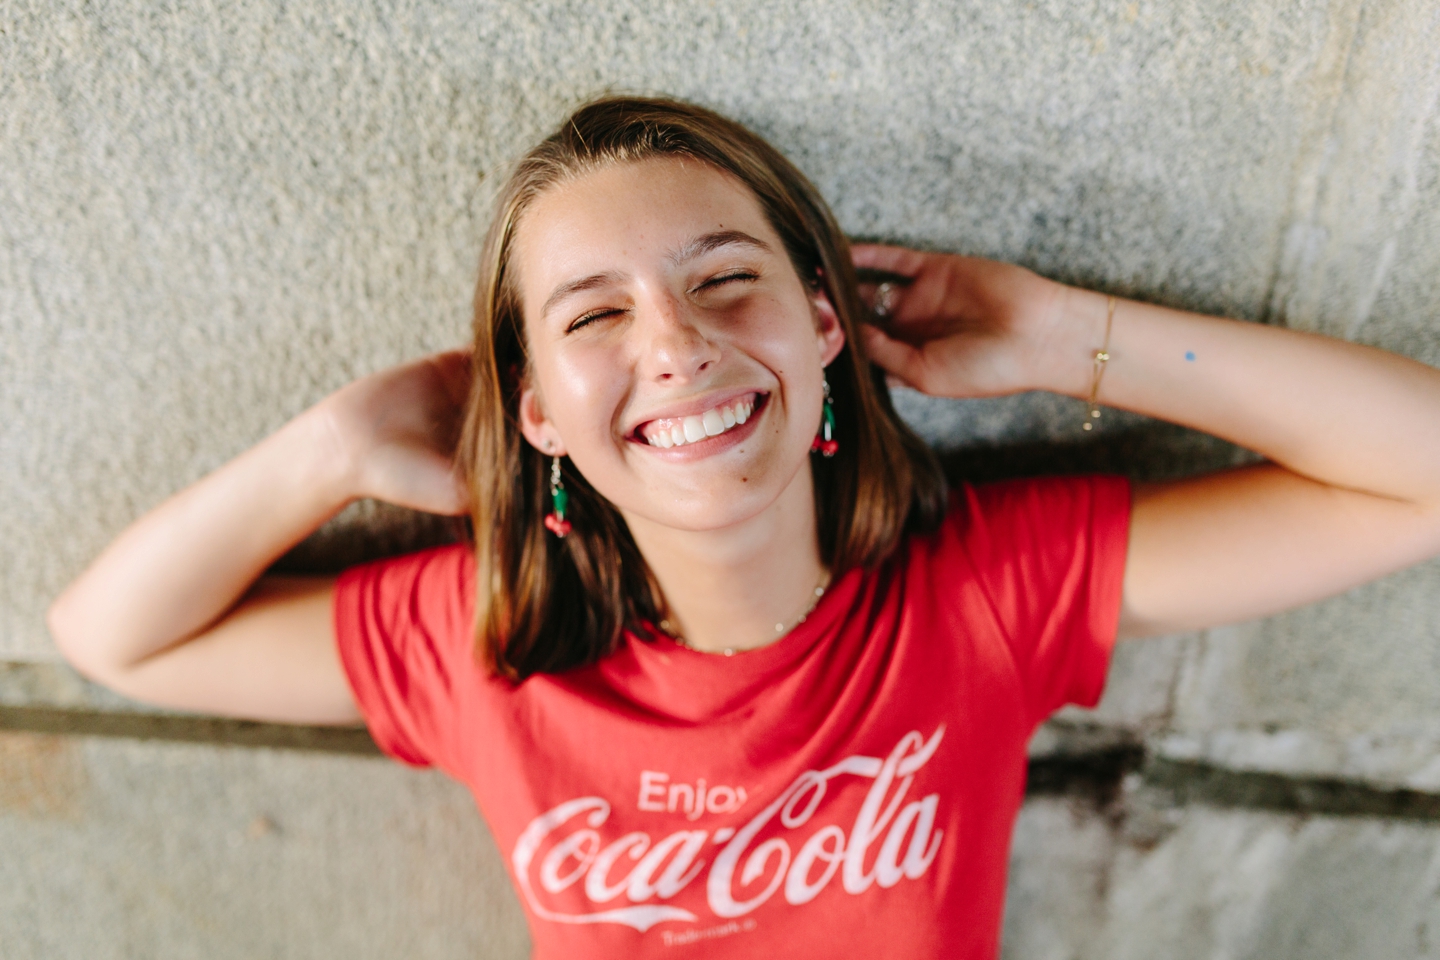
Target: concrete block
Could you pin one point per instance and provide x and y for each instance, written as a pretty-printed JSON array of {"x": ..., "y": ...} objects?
[
  {"x": 211, "y": 223},
  {"x": 1361, "y": 230},
  {"x": 1060, "y": 869},
  {"x": 114, "y": 849},
  {"x": 1256, "y": 885},
  {"x": 1138, "y": 691},
  {"x": 1347, "y": 687},
  {"x": 121, "y": 849},
  {"x": 1406, "y": 278},
  {"x": 1211, "y": 883},
  {"x": 54, "y": 685}
]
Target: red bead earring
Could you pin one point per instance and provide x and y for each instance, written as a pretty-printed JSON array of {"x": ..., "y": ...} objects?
[
  {"x": 825, "y": 441},
  {"x": 555, "y": 520}
]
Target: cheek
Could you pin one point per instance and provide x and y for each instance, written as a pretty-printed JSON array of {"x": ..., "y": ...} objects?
[
  {"x": 583, "y": 390},
  {"x": 785, "y": 327},
  {"x": 784, "y": 338}
]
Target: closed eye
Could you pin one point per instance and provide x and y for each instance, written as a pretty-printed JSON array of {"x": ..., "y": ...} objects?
[
  {"x": 593, "y": 315},
  {"x": 711, "y": 284},
  {"x": 727, "y": 278}
]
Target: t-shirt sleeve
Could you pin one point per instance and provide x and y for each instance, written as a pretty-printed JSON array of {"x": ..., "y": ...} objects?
[
  {"x": 1049, "y": 554},
  {"x": 403, "y": 629}
]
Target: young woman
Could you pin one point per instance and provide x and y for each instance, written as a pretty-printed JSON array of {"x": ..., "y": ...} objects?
[{"x": 724, "y": 665}]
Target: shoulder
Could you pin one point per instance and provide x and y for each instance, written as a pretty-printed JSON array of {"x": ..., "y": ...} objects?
[
  {"x": 438, "y": 573},
  {"x": 980, "y": 511},
  {"x": 403, "y": 632},
  {"x": 992, "y": 526},
  {"x": 450, "y": 557},
  {"x": 1041, "y": 562},
  {"x": 424, "y": 596}
]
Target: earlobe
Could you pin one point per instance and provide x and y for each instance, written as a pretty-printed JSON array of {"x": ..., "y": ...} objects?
[
  {"x": 830, "y": 335},
  {"x": 536, "y": 427}
]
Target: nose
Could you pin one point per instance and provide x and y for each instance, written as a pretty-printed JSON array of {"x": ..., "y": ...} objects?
[{"x": 675, "y": 346}]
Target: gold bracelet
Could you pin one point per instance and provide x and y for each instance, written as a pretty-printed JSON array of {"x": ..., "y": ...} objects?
[{"x": 1102, "y": 357}]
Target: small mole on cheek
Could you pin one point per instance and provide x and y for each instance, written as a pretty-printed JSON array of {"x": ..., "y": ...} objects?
[{"x": 744, "y": 479}]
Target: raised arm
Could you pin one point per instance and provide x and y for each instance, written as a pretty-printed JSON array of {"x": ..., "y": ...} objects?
[
  {"x": 1352, "y": 489},
  {"x": 175, "y": 611}
]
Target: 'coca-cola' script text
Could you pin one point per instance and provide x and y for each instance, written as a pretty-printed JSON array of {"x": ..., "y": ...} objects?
[{"x": 629, "y": 878}]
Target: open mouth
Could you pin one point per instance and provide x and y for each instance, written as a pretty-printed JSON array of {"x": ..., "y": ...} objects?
[{"x": 668, "y": 432}]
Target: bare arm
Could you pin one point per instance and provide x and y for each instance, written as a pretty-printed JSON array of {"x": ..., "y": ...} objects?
[
  {"x": 174, "y": 611},
  {"x": 1352, "y": 491}
]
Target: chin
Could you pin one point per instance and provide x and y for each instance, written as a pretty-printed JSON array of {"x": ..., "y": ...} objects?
[
  {"x": 707, "y": 518},
  {"x": 705, "y": 513}
]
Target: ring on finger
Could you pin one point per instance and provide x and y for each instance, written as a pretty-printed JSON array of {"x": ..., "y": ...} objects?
[{"x": 885, "y": 299}]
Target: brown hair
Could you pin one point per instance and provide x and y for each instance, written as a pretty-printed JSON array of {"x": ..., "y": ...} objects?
[{"x": 545, "y": 604}]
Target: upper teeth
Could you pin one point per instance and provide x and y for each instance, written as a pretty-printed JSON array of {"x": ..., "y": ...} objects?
[{"x": 676, "y": 432}]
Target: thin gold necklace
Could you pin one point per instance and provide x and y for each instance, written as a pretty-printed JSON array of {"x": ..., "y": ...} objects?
[{"x": 781, "y": 628}]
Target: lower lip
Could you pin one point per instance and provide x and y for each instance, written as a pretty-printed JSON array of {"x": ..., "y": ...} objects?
[{"x": 711, "y": 445}]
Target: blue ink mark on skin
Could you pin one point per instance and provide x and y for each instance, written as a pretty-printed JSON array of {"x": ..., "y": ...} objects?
[{"x": 1189, "y": 354}]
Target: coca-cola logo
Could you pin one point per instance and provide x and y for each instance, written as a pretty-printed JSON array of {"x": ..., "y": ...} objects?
[{"x": 576, "y": 853}]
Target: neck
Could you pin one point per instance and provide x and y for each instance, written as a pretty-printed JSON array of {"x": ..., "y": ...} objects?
[{"x": 727, "y": 589}]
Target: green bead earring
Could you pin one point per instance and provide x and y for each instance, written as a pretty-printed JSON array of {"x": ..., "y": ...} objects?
[
  {"x": 555, "y": 521},
  {"x": 825, "y": 441}
]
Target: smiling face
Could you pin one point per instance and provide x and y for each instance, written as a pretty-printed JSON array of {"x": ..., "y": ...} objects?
[{"x": 675, "y": 355}]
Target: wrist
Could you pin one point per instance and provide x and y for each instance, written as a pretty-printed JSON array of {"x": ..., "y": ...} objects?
[
  {"x": 1076, "y": 332},
  {"x": 321, "y": 443}
]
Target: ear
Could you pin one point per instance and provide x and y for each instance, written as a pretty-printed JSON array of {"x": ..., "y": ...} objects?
[
  {"x": 536, "y": 426},
  {"x": 829, "y": 334}
]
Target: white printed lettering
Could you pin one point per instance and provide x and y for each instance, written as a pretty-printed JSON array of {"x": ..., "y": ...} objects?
[
  {"x": 904, "y": 829},
  {"x": 723, "y": 799},
  {"x": 676, "y": 791},
  {"x": 642, "y": 918},
  {"x": 888, "y": 868},
  {"x": 582, "y": 846},
  {"x": 652, "y": 782},
  {"x": 799, "y": 888},
  {"x": 810, "y": 787},
  {"x": 596, "y": 886},
  {"x": 679, "y": 872},
  {"x": 658, "y": 794},
  {"x": 698, "y": 807},
  {"x": 872, "y": 822}
]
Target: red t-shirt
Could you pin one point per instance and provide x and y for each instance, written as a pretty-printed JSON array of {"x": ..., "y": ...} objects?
[{"x": 849, "y": 789}]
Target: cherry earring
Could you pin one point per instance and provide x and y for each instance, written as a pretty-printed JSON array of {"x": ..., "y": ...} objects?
[
  {"x": 555, "y": 521},
  {"x": 825, "y": 441}
]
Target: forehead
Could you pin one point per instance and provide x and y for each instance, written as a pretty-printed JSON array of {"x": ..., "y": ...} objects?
[{"x": 608, "y": 218}]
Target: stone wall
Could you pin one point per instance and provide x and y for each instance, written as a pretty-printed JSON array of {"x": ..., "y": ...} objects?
[{"x": 211, "y": 217}]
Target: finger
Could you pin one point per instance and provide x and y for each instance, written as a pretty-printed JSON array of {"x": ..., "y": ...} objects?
[
  {"x": 898, "y": 358},
  {"x": 880, "y": 256},
  {"x": 886, "y": 299}
]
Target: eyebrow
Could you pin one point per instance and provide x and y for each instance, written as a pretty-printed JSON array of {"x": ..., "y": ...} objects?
[
  {"x": 571, "y": 287},
  {"x": 690, "y": 251},
  {"x": 714, "y": 241}
]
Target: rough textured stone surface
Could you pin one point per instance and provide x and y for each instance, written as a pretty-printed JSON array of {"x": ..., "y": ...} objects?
[
  {"x": 115, "y": 849},
  {"x": 208, "y": 220},
  {"x": 55, "y": 685},
  {"x": 1350, "y": 686},
  {"x": 1199, "y": 882}
]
